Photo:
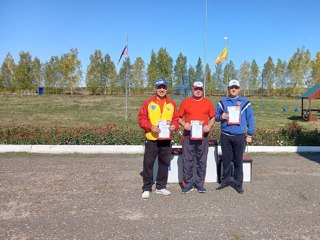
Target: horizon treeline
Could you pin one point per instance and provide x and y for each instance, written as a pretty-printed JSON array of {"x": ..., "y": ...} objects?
[{"x": 61, "y": 74}]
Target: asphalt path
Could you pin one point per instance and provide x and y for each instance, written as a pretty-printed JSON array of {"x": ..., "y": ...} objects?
[{"x": 79, "y": 196}]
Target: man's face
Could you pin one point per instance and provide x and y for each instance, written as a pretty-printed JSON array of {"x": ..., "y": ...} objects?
[
  {"x": 197, "y": 92},
  {"x": 161, "y": 91},
  {"x": 234, "y": 91}
]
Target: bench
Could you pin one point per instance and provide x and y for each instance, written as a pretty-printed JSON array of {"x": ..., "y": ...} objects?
[{"x": 247, "y": 168}]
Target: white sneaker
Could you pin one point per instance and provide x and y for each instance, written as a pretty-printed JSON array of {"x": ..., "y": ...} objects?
[
  {"x": 163, "y": 191},
  {"x": 145, "y": 194}
]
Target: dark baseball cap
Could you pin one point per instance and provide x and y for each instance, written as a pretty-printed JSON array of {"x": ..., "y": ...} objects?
[{"x": 161, "y": 81}]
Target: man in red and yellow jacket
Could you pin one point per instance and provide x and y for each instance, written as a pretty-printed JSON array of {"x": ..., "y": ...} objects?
[{"x": 158, "y": 117}]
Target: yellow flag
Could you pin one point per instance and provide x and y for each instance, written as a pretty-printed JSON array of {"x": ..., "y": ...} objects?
[{"x": 223, "y": 56}]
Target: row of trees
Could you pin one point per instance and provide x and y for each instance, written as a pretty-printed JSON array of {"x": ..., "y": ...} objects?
[
  {"x": 64, "y": 72},
  {"x": 29, "y": 74}
]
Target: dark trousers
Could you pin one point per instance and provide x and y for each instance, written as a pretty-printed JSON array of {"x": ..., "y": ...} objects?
[
  {"x": 154, "y": 149},
  {"x": 232, "y": 152},
  {"x": 194, "y": 153}
]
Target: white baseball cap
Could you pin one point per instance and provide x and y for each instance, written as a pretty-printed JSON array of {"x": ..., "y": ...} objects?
[
  {"x": 198, "y": 84},
  {"x": 234, "y": 82}
]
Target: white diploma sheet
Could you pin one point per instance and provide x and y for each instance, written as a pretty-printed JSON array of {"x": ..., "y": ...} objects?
[
  {"x": 196, "y": 129},
  {"x": 234, "y": 115},
  {"x": 164, "y": 129}
]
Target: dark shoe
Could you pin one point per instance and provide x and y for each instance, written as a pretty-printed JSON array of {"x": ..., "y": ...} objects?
[
  {"x": 200, "y": 189},
  {"x": 239, "y": 189},
  {"x": 222, "y": 186},
  {"x": 187, "y": 189}
]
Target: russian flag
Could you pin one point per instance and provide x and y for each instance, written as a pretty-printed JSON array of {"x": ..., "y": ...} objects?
[{"x": 124, "y": 51}]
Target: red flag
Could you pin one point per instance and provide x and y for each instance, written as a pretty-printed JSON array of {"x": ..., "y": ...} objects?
[{"x": 124, "y": 51}]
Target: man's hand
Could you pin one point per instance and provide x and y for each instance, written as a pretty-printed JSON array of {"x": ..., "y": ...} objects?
[
  {"x": 206, "y": 128},
  {"x": 224, "y": 116},
  {"x": 187, "y": 126},
  {"x": 155, "y": 129},
  {"x": 172, "y": 128},
  {"x": 249, "y": 139}
]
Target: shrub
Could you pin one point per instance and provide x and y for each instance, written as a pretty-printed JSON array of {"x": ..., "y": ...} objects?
[
  {"x": 293, "y": 134},
  {"x": 290, "y": 135}
]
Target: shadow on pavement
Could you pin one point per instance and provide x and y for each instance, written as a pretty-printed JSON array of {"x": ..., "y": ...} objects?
[{"x": 315, "y": 157}]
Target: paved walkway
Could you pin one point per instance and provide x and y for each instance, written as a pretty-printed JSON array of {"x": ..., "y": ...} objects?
[{"x": 99, "y": 197}]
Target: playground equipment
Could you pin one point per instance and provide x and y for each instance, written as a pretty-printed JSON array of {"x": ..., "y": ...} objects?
[
  {"x": 310, "y": 113},
  {"x": 297, "y": 108},
  {"x": 285, "y": 107},
  {"x": 184, "y": 88},
  {"x": 272, "y": 103}
]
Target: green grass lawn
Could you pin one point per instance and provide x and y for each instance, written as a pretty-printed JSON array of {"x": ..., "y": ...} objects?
[{"x": 96, "y": 111}]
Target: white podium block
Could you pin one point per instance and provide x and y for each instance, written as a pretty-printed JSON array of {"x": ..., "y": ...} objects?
[
  {"x": 175, "y": 172},
  {"x": 246, "y": 167}
]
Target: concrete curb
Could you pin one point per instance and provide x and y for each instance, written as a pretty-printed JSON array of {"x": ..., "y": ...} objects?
[{"x": 133, "y": 149}]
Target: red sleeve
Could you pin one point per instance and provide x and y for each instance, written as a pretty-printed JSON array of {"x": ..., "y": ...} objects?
[
  {"x": 181, "y": 109},
  {"x": 143, "y": 119},
  {"x": 175, "y": 117}
]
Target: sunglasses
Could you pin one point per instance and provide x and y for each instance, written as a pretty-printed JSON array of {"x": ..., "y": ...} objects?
[
  {"x": 198, "y": 88},
  {"x": 162, "y": 87},
  {"x": 236, "y": 87}
]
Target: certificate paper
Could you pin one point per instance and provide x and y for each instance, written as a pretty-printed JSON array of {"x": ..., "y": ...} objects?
[
  {"x": 196, "y": 130},
  {"x": 234, "y": 115},
  {"x": 165, "y": 133}
]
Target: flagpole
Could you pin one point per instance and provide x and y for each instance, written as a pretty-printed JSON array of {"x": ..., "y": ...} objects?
[
  {"x": 126, "y": 114},
  {"x": 226, "y": 38},
  {"x": 205, "y": 49}
]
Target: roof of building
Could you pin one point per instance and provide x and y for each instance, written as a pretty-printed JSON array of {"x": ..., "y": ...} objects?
[{"x": 312, "y": 90}]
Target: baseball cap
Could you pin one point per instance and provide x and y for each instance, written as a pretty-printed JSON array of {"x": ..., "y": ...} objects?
[
  {"x": 198, "y": 84},
  {"x": 161, "y": 81},
  {"x": 234, "y": 82}
]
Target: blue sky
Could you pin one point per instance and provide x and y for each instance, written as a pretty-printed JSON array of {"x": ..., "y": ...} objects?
[{"x": 256, "y": 29}]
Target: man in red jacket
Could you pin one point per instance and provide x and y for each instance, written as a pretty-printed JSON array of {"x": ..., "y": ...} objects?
[{"x": 158, "y": 117}]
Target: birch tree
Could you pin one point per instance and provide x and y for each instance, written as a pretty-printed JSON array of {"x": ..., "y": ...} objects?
[{"x": 7, "y": 73}]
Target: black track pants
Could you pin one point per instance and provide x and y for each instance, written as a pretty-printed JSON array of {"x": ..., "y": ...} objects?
[
  {"x": 154, "y": 149},
  {"x": 232, "y": 152}
]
